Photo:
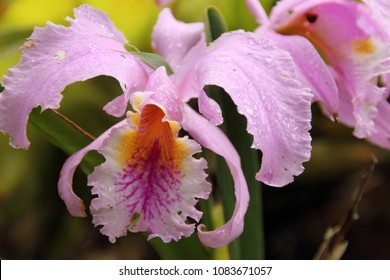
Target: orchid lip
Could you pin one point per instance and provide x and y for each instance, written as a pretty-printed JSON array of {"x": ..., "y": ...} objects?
[{"x": 150, "y": 181}]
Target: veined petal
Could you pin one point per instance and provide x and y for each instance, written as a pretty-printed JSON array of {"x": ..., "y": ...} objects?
[
  {"x": 73, "y": 203},
  {"x": 173, "y": 39},
  {"x": 214, "y": 139},
  {"x": 262, "y": 81},
  {"x": 149, "y": 181},
  {"x": 350, "y": 39},
  {"x": 56, "y": 56},
  {"x": 312, "y": 68}
]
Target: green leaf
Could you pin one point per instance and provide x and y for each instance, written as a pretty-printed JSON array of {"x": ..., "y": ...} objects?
[
  {"x": 13, "y": 35},
  {"x": 1, "y": 88},
  {"x": 64, "y": 135},
  {"x": 250, "y": 245},
  {"x": 153, "y": 60},
  {"x": 252, "y": 239},
  {"x": 215, "y": 24},
  {"x": 11, "y": 38},
  {"x": 268, "y": 4}
]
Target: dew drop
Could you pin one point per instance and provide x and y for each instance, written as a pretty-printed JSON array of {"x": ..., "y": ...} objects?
[
  {"x": 268, "y": 60},
  {"x": 92, "y": 47},
  {"x": 60, "y": 55}
]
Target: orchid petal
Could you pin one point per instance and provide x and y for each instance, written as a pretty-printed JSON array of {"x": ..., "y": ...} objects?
[
  {"x": 313, "y": 70},
  {"x": 173, "y": 39},
  {"x": 184, "y": 81},
  {"x": 163, "y": 2},
  {"x": 56, "y": 56},
  {"x": 73, "y": 203},
  {"x": 262, "y": 81},
  {"x": 349, "y": 38},
  {"x": 214, "y": 139},
  {"x": 386, "y": 81},
  {"x": 381, "y": 136},
  {"x": 258, "y": 12},
  {"x": 381, "y": 12},
  {"x": 164, "y": 94},
  {"x": 149, "y": 181},
  {"x": 288, "y": 10},
  {"x": 209, "y": 108}
]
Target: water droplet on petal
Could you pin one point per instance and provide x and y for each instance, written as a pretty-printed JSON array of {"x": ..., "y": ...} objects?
[{"x": 60, "y": 55}]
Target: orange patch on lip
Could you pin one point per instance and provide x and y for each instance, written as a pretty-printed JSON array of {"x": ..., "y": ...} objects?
[
  {"x": 301, "y": 25},
  {"x": 140, "y": 144},
  {"x": 304, "y": 25},
  {"x": 126, "y": 146},
  {"x": 364, "y": 46},
  {"x": 152, "y": 129}
]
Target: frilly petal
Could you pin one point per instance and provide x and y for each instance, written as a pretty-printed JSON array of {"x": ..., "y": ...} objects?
[
  {"x": 381, "y": 136},
  {"x": 149, "y": 181},
  {"x": 73, "y": 203},
  {"x": 213, "y": 138},
  {"x": 56, "y": 56},
  {"x": 262, "y": 81},
  {"x": 173, "y": 39}
]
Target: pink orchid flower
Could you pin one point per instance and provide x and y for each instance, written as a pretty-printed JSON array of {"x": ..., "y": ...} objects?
[
  {"x": 353, "y": 41},
  {"x": 150, "y": 180}
]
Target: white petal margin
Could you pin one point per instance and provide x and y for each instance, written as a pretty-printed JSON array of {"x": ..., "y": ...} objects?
[
  {"x": 73, "y": 203},
  {"x": 152, "y": 199},
  {"x": 214, "y": 139},
  {"x": 56, "y": 56}
]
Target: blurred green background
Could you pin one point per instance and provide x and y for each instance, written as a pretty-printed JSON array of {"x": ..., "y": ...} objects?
[{"x": 34, "y": 223}]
